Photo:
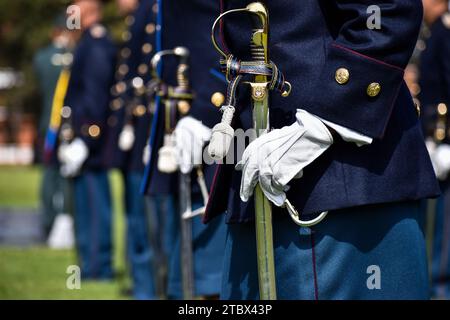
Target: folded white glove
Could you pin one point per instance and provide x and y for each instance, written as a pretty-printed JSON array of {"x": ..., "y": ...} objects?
[
  {"x": 190, "y": 137},
  {"x": 275, "y": 158},
  {"x": 440, "y": 158},
  {"x": 72, "y": 156}
]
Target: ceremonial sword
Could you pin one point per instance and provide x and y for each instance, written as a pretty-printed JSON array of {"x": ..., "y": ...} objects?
[
  {"x": 263, "y": 209},
  {"x": 266, "y": 77},
  {"x": 223, "y": 132}
]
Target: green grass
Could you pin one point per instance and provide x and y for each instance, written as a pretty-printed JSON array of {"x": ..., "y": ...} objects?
[
  {"x": 40, "y": 273},
  {"x": 19, "y": 186}
]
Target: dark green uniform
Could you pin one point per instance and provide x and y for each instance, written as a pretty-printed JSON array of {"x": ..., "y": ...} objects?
[{"x": 48, "y": 63}]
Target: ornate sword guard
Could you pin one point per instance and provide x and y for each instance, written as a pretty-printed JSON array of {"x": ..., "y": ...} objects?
[
  {"x": 176, "y": 99},
  {"x": 235, "y": 70}
]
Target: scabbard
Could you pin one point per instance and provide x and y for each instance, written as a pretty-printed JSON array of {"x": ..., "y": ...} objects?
[{"x": 186, "y": 247}]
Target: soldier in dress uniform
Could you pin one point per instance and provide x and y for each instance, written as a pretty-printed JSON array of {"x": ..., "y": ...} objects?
[
  {"x": 130, "y": 121},
  {"x": 434, "y": 98},
  {"x": 186, "y": 24},
  {"x": 346, "y": 142},
  {"x": 83, "y": 156}
]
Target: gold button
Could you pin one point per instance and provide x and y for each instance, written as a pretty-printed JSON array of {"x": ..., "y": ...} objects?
[
  {"x": 66, "y": 112},
  {"x": 147, "y": 48},
  {"x": 373, "y": 89},
  {"x": 126, "y": 36},
  {"x": 116, "y": 104},
  {"x": 142, "y": 69},
  {"x": 150, "y": 28},
  {"x": 442, "y": 109},
  {"x": 342, "y": 75},
  {"x": 125, "y": 53},
  {"x": 94, "y": 131},
  {"x": 123, "y": 69},
  {"x": 217, "y": 99},
  {"x": 183, "y": 107},
  {"x": 439, "y": 134},
  {"x": 140, "y": 110},
  {"x": 129, "y": 20},
  {"x": 120, "y": 88}
]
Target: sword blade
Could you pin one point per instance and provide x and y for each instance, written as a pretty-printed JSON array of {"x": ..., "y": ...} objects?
[
  {"x": 263, "y": 213},
  {"x": 186, "y": 247}
]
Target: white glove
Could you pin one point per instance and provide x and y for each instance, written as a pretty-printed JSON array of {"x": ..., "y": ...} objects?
[
  {"x": 275, "y": 158},
  {"x": 72, "y": 157},
  {"x": 126, "y": 138},
  {"x": 190, "y": 137},
  {"x": 440, "y": 158}
]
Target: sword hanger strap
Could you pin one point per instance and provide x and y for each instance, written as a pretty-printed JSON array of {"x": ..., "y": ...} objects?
[{"x": 233, "y": 67}]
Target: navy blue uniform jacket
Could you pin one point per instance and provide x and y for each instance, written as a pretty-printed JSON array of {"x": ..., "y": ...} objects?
[
  {"x": 134, "y": 58},
  {"x": 187, "y": 23},
  {"x": 88, "y": 94},
  {"x": 309, "y": 41},
  {"x": 435, "y": 75}
]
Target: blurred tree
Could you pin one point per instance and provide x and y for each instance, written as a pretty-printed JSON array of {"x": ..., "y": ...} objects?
[{"x": 25, "y": 27}]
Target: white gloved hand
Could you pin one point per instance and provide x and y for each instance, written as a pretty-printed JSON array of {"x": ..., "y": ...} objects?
[
  {"x": 440, "y": 158},
  {"x": 275, "y": 158},
  {"x": 190, "y": 137},
  {"x": 72, "y": 156}
]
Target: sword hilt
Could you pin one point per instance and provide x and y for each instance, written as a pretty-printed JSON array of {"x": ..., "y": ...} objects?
[
  {"x": 183, "y": 65},
  {"x": 223, "y": 132},
  {"x": 176, "y": 96},
  {"x": 260, "y": 68}
]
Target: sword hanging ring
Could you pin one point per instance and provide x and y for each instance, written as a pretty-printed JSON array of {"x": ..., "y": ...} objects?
[{"x": 296, "y": 216}]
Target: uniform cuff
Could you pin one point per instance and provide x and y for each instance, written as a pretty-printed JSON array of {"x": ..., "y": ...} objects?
[
  {"x": 349, "y": 135},
  {"x": 356, "y": 91}
]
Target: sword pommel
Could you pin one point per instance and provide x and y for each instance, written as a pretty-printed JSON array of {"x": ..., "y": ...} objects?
[{"x": 260, "y": 10}]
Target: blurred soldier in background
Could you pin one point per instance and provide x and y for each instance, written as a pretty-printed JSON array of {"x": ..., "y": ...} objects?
[
  {"x": 83, "y": 155},
  {"x": 130, "y": 122},
  {"x": 433, "y": 93},
  {"x": 186, "y": 24},
  {"x": 48, "y": 64}
]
